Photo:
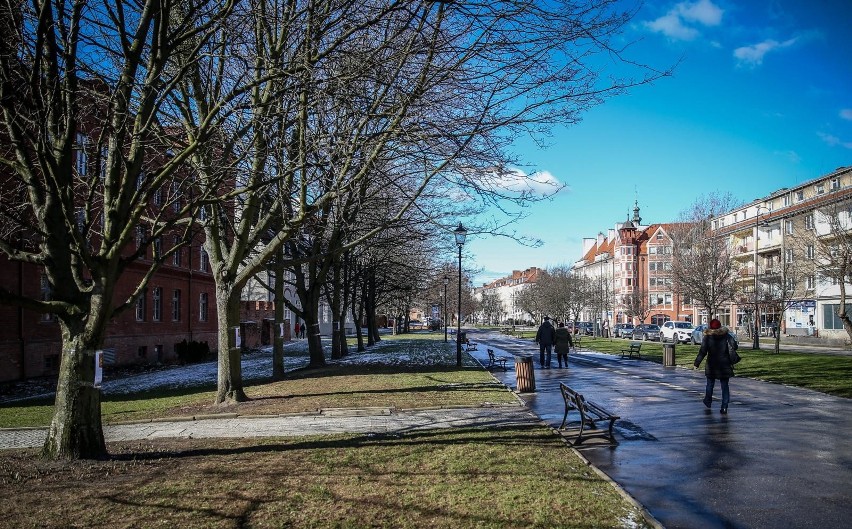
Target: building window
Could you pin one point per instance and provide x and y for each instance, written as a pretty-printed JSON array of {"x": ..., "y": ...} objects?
[
  {"x": 809, "y": 222},
  {"x": 103, "y": 162},
  {"x": 788, "y": 255},
  {"x": 176, "y": 202},
  {"x": 810, "y": 283},
  {"x": 140, "y": 306},
  {"x": 177, "y": 257},
  {"x": 176, "y": 305},
  {"x": 786, "y": 200},
  {"x": 158, "y": 197},
  {"x": 809, "y": 251},
  {"x": 51, "y": 363},
  {"x": 788, "y": 226},
  {"x": 820, "y": 188},
  {"x": 46, "y": 295},
  {"x": 157, "y": 302},
  {"x": 829, "y": 316},
  {"x": 140, "y": 236},
  {"x": 835, "y": 184},
  {"x": 204, "y": 261},
  {"x": 203, "y": 304},
  {"x": 800, "y": 195},
  {"x": 81, "y": 159},
  {"x": 158, "y": 247}
]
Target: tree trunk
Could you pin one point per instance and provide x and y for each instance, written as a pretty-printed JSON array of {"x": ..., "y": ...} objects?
[
  {"x": 76, "y": 430},
  {"x": 230, "y": 375}
]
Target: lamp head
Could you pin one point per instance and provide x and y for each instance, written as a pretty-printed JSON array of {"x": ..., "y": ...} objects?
[{"x": 461, "y": 234}]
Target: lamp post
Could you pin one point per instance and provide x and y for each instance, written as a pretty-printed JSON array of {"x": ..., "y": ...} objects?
[
  {"x": 461, "y": 234},
  {"x": 444, "y": 313}
]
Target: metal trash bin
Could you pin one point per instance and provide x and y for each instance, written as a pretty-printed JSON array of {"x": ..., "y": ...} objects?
[
  {"x": 525, "y": 374},
  {"x": 668, "y": 355}
]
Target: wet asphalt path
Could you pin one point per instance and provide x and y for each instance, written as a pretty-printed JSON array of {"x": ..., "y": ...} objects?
[{"x": 781, "y": 458}]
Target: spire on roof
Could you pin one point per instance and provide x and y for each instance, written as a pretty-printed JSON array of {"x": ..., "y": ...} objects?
[{"x": 637, "y": 220}]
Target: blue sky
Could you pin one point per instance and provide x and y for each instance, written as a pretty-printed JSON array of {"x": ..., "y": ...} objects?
[{"x": 762, "y": 99}]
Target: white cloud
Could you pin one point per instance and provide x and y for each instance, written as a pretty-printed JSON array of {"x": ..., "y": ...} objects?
[
  {"x": 834, "y": 140},
  {"x": 792, "y": 156},
  {"x": 704, "y": 12},
  {"x": 540, "y": 183},
  {"x": 846, "y": 113},
  {"x": 677, "y": 23},
  {"x": 753, "y": 55}
]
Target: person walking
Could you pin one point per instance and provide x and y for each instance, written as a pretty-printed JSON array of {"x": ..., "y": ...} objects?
[
  {"x": 545, "y": 337},
  {"x": 562, "y": 343},
  {"x": 296, "y": 330},
  {"x": 717, "y": 345}
]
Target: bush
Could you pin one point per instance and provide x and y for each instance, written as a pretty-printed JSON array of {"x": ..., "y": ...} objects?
[{"x": 192, "y": 352}]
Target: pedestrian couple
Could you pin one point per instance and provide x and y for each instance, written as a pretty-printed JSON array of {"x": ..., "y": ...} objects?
[
  {"x": 720, "y": 348},
  {"x": 547, "y": 338}
]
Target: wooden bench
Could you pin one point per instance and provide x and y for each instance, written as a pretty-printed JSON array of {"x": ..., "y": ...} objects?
[
  {"x": 590, "y": 413},
  {"x": 635, "y": 348},
  {"x": 496, "y": 361}
]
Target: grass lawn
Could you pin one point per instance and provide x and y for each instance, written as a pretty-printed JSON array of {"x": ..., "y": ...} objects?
[
  {"x": 458, "y": 478},
  {"x": 826, "y": 373}
]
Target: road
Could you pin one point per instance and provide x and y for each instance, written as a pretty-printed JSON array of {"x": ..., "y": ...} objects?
[{"x": 781, "y": 458}]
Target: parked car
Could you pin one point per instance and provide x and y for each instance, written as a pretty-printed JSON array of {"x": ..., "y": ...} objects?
[
  {"x": 646, "y": 331},
  {"x": 582, "y": 327},
  {"x": 676, "y": 331},
  {"x": 698, "y": 334},
  {"x": 416, "y": 325},
  {"x": 622, "y": 330}
]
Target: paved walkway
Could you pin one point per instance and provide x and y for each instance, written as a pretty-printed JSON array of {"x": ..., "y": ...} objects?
[
  {"x": 782, "y": 457},
  {"x": 379, "y": 421}
]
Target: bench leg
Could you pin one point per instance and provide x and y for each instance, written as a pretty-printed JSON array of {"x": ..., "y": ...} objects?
[
  {"x": 611, "y": 424},
  {"x": 564, "y": 419}
]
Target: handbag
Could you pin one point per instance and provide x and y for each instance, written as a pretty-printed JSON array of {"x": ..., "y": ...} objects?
[{"x": 733, "y": 355}]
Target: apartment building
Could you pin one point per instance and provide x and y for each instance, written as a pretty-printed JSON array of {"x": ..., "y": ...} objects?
[
  {"x": 786, "y": 247},
  {"x": 629, "y": 274},
  {"x": 507, "y": 289}
]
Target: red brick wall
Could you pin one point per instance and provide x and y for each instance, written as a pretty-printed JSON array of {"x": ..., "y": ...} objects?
[{"x": 27, "y": 341}]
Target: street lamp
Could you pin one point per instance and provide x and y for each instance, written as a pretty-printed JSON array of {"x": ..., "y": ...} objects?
[
  {"x": 444, "y": 313},
  {"x": 461, "y": 234}
]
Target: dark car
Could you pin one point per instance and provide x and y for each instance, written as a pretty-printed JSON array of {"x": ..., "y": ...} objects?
[
  {"x": 623, "y": 330},
  {"x": 646, "y": 331}
]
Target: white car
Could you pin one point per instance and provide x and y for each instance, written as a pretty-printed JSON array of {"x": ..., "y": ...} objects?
[{"x": 676, "y": 331}]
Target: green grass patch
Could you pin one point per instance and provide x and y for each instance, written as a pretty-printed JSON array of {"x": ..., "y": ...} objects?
[{"x": 464, "y": 478}]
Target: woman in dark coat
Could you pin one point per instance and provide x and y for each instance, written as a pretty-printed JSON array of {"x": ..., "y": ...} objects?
[
  {"x": 563, "y": 344},
  {"x": 715, "y": 346}
]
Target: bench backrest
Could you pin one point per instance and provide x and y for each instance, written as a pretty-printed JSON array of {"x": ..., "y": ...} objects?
[
  {"x": 491, "y": 354},
  {"x": 635, "y": 345},
  {"x": 572, "y": 398}
]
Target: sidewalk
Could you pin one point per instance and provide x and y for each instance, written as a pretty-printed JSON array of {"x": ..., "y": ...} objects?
[
  {"x": 780, "y": 458},
  {"x": 378, "y": 421}
]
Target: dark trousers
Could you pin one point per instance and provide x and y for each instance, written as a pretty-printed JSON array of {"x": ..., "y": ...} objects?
[
  {"x": 708, "y": 391},
  {"x": 544, "y": 354}
]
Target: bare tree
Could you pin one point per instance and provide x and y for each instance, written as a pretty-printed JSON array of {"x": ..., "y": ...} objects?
[
  {"x": 637, "y": 304},
  {"x": 825, "y": 252},
  {"x": 702, "y": 266},
  {"x": 83, "y": 89}
]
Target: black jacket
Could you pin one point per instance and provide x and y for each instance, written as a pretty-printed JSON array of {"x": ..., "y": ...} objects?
[
  {"x": 563, "y": 341},
  {"x": 546, "y": 334},
  {"x": 715, "y": 345}
]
